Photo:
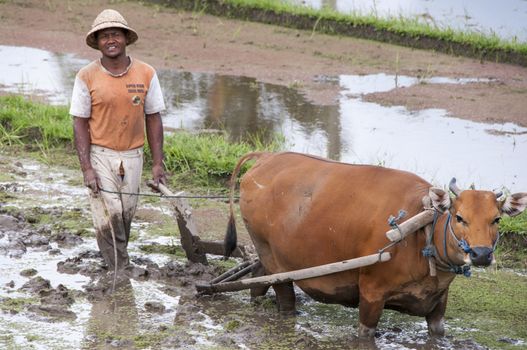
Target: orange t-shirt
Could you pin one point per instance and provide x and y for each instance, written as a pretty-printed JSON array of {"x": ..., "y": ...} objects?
[{"x": 116, "y": 105}]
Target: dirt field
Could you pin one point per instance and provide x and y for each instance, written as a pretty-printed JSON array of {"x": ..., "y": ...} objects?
[{"x": 169, "y": 38}]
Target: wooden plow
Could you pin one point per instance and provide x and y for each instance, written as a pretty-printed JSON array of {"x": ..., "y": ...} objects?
[
  {"x": 232, "y": 280},
  {"x": 195, "y": 248}
]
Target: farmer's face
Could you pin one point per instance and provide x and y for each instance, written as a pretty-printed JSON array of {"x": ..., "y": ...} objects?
[{"x": 112, "y": 42}]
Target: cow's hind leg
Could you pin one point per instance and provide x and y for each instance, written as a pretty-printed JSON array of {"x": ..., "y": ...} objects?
[
  {"x": 258, "y": 271},
  {"x": 286, "y": 299},
  {"x": 436, "y": 319}
]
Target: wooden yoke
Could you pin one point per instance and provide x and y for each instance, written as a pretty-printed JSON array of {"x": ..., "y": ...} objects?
[
  {"x": 427, "y": 203},
  {"x": 413, "y": 224}
]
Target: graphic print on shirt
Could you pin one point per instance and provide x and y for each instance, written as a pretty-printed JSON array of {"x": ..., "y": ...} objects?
[{"x": 133, "y": 89}]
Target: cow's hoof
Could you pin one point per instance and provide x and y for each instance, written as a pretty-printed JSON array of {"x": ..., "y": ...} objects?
[
  {"x": 288, "y": 313},
  {"x": 436, "y": 328},
  {"x": 366, "y": 332}
]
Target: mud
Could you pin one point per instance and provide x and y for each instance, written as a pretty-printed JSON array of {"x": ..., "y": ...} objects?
[{"x": 57, "y": 292}]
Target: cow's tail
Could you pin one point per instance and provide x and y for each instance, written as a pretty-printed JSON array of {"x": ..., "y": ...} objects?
[{"x": 231, "y": 240}]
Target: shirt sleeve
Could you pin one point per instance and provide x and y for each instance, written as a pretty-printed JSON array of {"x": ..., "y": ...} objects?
[
  {"x": 154, "y": 102},
  {"x": 80, "y": 99}
]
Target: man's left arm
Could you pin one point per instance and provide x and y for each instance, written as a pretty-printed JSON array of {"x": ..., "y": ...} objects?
[{"x": 154, "y": 135}]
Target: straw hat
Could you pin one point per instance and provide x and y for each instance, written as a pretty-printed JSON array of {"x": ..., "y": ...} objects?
[{"x": 109, "y": 19}]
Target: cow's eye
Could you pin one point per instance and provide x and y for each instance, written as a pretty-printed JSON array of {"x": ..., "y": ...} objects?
[
  {"x": 496, "y": 221},
  {"x": 459, "y": 219}
]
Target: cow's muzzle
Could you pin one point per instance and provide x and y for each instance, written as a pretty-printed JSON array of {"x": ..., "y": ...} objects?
[{"x": 481, "y": 256}]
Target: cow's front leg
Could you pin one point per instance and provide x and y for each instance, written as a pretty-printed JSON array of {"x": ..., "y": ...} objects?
[
  {"x": 285, "y": 295},
  {"x": 436, "y": 318},
  {"x": 370, "y": 311}
]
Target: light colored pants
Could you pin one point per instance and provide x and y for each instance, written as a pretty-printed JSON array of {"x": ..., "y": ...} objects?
[{"x": 113, "y": 213}]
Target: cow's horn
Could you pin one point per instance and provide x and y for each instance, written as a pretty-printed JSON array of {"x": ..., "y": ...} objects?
[
  {"x": 498, "y": 193},
  {"x": 453, "y": 187}
]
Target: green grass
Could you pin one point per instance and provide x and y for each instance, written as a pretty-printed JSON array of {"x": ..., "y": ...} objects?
[
  {"x": 197, "y": 161},
  {"x": 25, "y": 122},
  {"x": 412, "y": 27},
  {"x": 206, "y": 161},
  {"x": 488, "y": 304},
  {"x": 406, "y": 31},
  {"x": 16, "y": 305},
  {"x": 516, "y": 224}
]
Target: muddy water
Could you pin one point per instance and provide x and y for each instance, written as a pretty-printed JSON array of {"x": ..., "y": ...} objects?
[
  {"x": 429, "y": 142},
  {"x": 157, "y": 309},
  {"x": 505, "y": 18}
]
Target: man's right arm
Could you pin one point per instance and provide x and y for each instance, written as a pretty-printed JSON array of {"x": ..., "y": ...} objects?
[{"x": 81, "y": 133}]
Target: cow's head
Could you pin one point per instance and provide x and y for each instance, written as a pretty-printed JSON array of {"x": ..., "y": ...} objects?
[{"x": 474, "y": 219}]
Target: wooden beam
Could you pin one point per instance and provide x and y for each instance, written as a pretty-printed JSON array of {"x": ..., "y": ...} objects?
[{"x": 296, "y": 275}]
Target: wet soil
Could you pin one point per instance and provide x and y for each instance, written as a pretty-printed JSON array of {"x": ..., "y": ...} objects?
[{"x": 193, "y": 41}]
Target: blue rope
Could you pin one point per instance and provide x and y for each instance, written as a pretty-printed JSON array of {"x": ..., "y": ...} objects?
[
  {"x": 392, "y": 221},
  {"x": 458, "y": 270},
  {"x": 430, "y": 250}
]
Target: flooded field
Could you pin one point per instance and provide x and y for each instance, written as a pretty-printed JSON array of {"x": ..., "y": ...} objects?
[
  {"x": 428, "y": 142},
  {"x": 55, "y": 290},
  {"x": 504, "y": 19}
]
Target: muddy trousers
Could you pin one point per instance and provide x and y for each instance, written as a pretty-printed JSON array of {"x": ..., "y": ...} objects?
[{"x": 118, "y": 171}]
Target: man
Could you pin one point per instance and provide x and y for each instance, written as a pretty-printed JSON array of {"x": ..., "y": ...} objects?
[{"x": 113, "y": 99}]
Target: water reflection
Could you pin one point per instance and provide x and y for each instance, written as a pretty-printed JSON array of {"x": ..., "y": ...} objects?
[
  {"x": 32, "y": 71},
  {"x": 428, "y": 142},
  {"x": 504, "y": 18},
  {"x": 114, "y": 320}
]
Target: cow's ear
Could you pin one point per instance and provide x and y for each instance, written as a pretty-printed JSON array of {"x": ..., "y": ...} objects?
[
  {"x": 515, "y": 204},
  {"x": 440, "y": 199}
]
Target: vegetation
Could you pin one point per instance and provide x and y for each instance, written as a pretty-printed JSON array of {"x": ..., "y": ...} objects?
[
  {"x": 16, "y": 305},
  {"x": 197, "y": 161},
  {"x": 208, "y": 160},
  {"x": 399, "y": 30},
  {"x": 489, "y": 304},
  {"x": 25, "y": 122}
]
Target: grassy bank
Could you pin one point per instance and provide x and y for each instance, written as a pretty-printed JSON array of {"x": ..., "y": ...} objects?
[
  {"x": 198, "y": 162},
  {"x": 397, "y": 30},
  {"x": 201, "y": 162},
  {"x": 488, "y": 304}
]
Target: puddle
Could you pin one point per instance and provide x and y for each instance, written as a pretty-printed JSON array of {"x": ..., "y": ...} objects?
[
  {"x": 429, "y": 142},
  {"x": 32, "y": 71},
  {"x": 505, "y": 18}
]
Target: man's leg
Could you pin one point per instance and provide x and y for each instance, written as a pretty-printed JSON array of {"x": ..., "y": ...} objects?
[{"x": 107, "y": 209}]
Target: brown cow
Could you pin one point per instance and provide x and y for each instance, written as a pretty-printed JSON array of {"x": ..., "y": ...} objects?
[{"x": 303, "y": 211}]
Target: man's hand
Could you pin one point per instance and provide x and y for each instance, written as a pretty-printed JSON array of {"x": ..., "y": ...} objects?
[
  {"x": 158, "y": 175},
  {"x": 91, "y": 180}
]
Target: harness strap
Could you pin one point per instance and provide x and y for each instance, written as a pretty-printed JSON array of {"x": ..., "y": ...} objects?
[{"x": 430, "y": 249}]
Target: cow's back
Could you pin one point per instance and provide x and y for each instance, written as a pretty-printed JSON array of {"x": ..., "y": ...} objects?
[{"x": 305, "y": 211}]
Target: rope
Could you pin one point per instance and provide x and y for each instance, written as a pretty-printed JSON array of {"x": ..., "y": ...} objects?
[
  {"x": 430, "y": 250},
  {"x": 392, "y": 221},
  {"x": 464, "y": 269},
  {"x": 164, "y": 196}
]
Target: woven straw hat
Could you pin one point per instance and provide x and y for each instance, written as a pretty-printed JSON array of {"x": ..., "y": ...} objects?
[{"x": 109, "y": 19}]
